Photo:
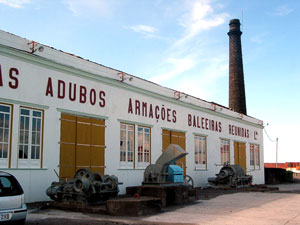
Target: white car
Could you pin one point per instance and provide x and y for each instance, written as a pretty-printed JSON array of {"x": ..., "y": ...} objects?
[{"x": 12, "y": 206}]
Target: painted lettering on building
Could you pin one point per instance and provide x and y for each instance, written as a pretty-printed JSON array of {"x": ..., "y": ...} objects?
[
  {"x": 13, "y": 75},
  {"x": 204, "y": 123},
  {"x": 149, "y": 110},
  {"x": 75, "y": 92},
  {"x": 255, "y": 135},
  {"x": 238, "y": 131}
]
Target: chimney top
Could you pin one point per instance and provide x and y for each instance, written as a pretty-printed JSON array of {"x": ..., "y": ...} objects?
[{"x": 234, "y": 27}]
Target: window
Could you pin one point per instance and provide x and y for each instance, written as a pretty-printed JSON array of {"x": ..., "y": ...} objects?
[
  {"x": 143, "y": 153},
  {"x": 200, "y": 152},
  {"x": 129, "y": 157},
  {"x": 30, "y": 137},
  {"x": 126, "y": 145},
  {"x": 9, "y": 186},
  {"x": 5, "y": 120},
  {"x": 254, "y": 157},
  {"x": 225, "y": 152}
]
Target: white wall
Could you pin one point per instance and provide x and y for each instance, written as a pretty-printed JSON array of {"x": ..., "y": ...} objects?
[{"x": 31, "y": 91}]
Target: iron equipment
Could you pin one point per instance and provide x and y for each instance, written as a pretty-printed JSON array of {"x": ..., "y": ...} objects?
[
  {"x": 231, "y": 176},
  {"x": 164, "y": 171},
  {"x": 86, "y": 187}
]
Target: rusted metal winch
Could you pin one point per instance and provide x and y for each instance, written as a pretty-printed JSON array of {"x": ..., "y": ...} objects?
[
  {"x": 231, "y": 176},
  {"x": 86, "y": 187}
]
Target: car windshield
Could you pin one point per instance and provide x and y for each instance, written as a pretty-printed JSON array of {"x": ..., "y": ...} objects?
[{"x": 9, "y": 186}]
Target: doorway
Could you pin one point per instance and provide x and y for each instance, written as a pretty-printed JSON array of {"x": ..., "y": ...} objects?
[
  {"x": 82, "y": 145},
  {"x": 240, "y": 155}
]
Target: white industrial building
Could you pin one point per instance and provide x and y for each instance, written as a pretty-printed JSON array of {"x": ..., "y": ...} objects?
[{"x": 61, "y": 112}]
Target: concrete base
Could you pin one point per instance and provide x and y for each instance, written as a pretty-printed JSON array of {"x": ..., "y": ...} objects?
[
  {"x": 137, "y": 206},
  {"x": 78, "y": 207},
  {"x": 168, "y": 195},
  {"x": 130, "y": 206}
]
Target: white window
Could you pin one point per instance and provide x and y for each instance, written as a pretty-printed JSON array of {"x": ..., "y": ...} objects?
[
  {"x": 126, "y": 145},
  {"x": 143, "y": 153},
  {"x": 254, "y": 157},
  {"x": 30, "y": 137},
  {"x": 134, "y": 137},
  {"x": 225, "y": 152},
  {"x": 200, "y": 152},
  {"x": 5, "y": 121}
]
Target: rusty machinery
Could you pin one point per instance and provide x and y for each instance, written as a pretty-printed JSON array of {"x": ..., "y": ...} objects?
[
  {"x": 86, "y": 187},
  {"x": 164, "y": 171},
  {"x": 231, "y": 176}
]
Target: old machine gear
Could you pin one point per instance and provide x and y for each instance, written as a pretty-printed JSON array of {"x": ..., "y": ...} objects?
[
  {"x": 86, "y": 187},
  {"x": 231, "y": 176}
]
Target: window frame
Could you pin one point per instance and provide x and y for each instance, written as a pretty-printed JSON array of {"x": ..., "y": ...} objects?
[
  {"x": 256, "y": 157},
  {"x": 222, "y": 153},
  {"x": 255, "y": 148},
  {"x": 142, "y": 164},
  {"x": 200, "y": 166},
  {"x": 127, "y": 164},
  {"x": 5, "y": 162},
  {"x": 251, "y": 156},
  {"x": 135, "y": 164},
  {"x": 31, "y": 162}
]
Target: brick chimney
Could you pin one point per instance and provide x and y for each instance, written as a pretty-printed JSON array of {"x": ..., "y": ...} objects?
[{"x": 237, "y": 96}]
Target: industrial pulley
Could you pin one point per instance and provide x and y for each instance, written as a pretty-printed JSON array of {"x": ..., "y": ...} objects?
[
  {"x": 231, "y": 176},
  {"x": 86, "y": 187}
]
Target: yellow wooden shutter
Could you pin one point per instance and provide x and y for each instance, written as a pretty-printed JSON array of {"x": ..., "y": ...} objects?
[
  {"x": 240, "y": 155},
  {"x": 82, "y": 145},
  {"x": 178, "y": 138},
  {"x": 174, "y": 137},
  {"x": 166, "y": 139},
  {"x": 98, "y": 146},
  {"x": 67, "y": 146}
]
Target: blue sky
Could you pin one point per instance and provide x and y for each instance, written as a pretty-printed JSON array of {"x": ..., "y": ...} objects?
[{"x": 183, "y": 44}]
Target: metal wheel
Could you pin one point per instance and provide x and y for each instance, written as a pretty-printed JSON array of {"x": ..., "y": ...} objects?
[
  {"x": 84, "y": 174},
  {"x": 112, "y": 181},
  {"x": 188, "y": 180},
  {"x": 99, "y": 177}
]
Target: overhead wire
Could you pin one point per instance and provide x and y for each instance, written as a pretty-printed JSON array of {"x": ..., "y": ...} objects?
[{"x": 269, "y": 136}]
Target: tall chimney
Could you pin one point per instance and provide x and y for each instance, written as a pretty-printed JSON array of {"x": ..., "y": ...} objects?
[{"x": 237, "y": 97}]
